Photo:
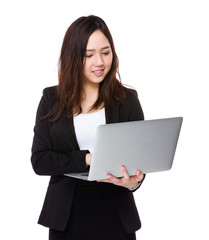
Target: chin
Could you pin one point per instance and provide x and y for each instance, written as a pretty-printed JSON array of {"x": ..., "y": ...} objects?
[{"x": 94, "y": 80}]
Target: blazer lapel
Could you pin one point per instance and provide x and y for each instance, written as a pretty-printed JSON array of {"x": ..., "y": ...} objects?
[
  {"x": 72, "y": 128},
  {"x": 64, "y": 135},
  {"x": 111, "y": 115}
]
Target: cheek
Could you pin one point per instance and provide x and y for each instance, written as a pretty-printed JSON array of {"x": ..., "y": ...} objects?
[
  {"x": 86, "y": 67},
  {"x": 109, "y": 62}
]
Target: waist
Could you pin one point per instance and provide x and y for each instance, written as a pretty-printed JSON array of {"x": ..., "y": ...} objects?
[{"x": 93, "y": 191}]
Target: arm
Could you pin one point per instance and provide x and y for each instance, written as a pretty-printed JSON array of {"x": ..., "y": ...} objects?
[
  {"x": 45, "y": 160},
  {"x": 139, "y": 184}
]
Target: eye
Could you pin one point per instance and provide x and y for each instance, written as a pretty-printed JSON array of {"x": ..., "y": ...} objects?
[
  {"x": 106, "y": 53},
  {"x": 88, "y": 56}
]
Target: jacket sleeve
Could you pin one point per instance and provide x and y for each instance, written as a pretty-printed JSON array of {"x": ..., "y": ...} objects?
[{"x": 45, "y": 160}]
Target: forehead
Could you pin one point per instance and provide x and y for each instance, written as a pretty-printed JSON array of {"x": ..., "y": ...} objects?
[{"x": 97, "y": 40}]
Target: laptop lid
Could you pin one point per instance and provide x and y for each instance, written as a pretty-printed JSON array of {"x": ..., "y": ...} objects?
[{"x": 148, "y": 146}]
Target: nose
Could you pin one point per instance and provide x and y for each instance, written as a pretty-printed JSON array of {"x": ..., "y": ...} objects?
[{"x": 99, "y": 60}]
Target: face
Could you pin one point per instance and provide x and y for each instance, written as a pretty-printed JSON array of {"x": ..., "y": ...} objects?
[{"x": 98, "y": 58}]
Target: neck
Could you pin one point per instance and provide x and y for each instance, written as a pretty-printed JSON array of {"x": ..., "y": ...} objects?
[
  {"x": 90, "y": 95},
  {"x": 91, "y": 91}
]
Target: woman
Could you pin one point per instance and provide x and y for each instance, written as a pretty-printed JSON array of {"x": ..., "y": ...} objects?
[{"x": 88, "y": 94}]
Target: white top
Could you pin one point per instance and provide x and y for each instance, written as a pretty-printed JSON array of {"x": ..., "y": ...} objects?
[{"x": 85, "y": 128}]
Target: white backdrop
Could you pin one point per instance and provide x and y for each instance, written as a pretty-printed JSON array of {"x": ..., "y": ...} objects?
[{"x": 163, "y": 52}]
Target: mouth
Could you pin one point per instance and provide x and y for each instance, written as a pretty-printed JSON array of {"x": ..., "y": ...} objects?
[{"x": 98, "y": 72}]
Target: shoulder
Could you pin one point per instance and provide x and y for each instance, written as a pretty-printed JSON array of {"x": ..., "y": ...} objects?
[
  {"x": 47, "y": 101},
  {"x": 130, "y": 109},
  {"x": 49, "y": 91},
  {"x": 49, "y": 94},
  {"x": 131, "y": 96}
]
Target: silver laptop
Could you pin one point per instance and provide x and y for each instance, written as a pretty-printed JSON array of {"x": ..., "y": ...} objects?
[{"x": 148, "y": 146}]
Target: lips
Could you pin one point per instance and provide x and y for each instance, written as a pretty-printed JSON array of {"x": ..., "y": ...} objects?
[{"x": 99, "y": 72}]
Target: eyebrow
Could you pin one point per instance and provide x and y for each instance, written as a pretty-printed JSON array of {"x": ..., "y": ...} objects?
[{"x": 89, "y": 50}]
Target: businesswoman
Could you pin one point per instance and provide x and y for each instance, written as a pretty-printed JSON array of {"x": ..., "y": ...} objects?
[{"x": 88, "y": 94}]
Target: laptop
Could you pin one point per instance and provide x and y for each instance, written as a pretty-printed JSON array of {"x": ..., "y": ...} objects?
[{"x": 148, "y": 146}]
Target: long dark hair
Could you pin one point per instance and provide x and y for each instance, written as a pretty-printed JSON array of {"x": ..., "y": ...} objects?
[{"x": 70, "y": 87}]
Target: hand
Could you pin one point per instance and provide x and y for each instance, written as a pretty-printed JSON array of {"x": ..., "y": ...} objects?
[
  {"x": 126, "y": 181},
  {"x": 88, "y": 158}
]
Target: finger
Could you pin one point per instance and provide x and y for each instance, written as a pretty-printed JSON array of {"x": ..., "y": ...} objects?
[
  {"x": 125, "y": 173},
  {"x": 104, "y": 180},
  {"x": 139, "y": 175},
  {"x": 139, "y": 171},
  {"x": 110, "y": 179},
  {"x": 114, "y": 180}
]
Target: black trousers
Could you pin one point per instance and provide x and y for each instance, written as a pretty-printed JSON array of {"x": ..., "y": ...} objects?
[{"x": 93, "y": 215}]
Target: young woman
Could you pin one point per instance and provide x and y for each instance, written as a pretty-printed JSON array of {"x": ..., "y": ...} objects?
[{"x": 88, "y": 94}]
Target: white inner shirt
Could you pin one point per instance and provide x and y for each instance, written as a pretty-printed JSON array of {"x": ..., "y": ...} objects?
[{"x": 85, "y": 128}]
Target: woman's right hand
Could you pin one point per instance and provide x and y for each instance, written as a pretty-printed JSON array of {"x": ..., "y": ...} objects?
[{"x": 88, "y": 159}]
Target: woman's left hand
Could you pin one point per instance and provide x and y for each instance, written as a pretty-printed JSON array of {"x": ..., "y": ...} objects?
[{"x": 126, "y": 181}]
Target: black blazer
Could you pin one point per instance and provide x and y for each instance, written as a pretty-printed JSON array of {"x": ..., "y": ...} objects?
[{"x": 55, "y": 151}]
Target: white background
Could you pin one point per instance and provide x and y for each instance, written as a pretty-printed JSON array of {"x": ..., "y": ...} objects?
[{"x": 163, "y": 51}]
